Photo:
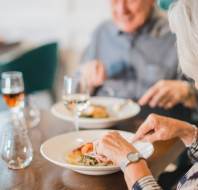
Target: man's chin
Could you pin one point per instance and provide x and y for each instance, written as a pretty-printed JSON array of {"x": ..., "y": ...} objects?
[{"x": 127, "y": 28}]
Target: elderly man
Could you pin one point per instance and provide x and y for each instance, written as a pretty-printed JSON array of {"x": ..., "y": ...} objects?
[{"x": 134, "y": 56}]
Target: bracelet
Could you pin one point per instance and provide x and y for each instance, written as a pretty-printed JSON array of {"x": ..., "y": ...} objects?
[{"x": 195, "y": 137}]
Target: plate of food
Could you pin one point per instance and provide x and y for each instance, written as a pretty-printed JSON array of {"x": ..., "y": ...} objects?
[
  {"x": 75, "y": 152},
  {"x": 102, "y": 112}
]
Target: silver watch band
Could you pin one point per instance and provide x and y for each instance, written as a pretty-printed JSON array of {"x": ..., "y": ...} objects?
[{"x": 125, "y": 162}]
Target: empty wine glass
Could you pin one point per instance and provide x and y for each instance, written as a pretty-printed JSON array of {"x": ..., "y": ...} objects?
[{"x": 76, "y": 96}]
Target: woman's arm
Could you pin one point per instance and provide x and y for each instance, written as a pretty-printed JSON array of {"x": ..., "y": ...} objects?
[
  {"x": 137, "y": 174},
  {"x": 116, "y": 148},
  {"x": 139, "y": 177},
  {"x": 145, "y": 183}
]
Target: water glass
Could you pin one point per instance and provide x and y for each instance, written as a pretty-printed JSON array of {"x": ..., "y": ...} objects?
[{"x": 16, "y": 148}]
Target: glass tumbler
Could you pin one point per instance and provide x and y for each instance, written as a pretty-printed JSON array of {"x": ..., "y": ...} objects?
[{"x": 16, "y": 148}]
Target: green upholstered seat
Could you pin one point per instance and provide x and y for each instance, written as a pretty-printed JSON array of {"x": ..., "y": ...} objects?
[{"x": 38, "y": 67}]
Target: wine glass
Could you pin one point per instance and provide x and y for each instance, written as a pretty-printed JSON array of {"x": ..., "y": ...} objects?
[
  {"x": 12, "y": 87},
  {"x": 76, "y": 97}
]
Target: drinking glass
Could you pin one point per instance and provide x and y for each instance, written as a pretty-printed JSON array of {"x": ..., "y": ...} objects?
[
  {"x": 16, "y": 148},
  {"x": 76, "y": 97},
  {"x": 12, "y": 87},
  {"x": 31, "y": 113}
]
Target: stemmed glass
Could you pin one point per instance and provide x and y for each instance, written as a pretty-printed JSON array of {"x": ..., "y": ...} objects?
[
  {"x": 76, "y": 97},
  {"x": 12, "y": 87},
  {"x": 16, "y": 147}
]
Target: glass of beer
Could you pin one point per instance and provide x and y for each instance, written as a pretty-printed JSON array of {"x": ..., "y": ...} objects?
[
  {"x": 12, "y": 87},
  {"x": 76, "y": 97}
]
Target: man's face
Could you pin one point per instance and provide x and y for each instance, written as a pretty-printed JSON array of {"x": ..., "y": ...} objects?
[{"x": 129, "y": 15}]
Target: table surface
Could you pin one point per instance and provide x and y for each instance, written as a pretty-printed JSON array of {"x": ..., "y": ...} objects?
[{"x": 42, "y": 175}]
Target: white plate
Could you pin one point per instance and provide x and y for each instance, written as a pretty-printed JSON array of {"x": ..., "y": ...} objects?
[
  {"x": 56, "y": 149},
  {"x": 127, "y": 111}
]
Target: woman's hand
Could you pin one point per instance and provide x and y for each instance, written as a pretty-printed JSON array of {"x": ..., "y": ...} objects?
[
  {"x": 157, "y": 128},
  {"x": 114, "y": 147}
]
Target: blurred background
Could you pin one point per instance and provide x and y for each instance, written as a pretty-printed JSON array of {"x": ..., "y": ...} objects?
[
  {"x": 27, "y": 24},
  {"x": 68, "y": 21}
]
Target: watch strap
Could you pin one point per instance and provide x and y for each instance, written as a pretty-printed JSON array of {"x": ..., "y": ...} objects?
[{"x": 125, "y": 162}]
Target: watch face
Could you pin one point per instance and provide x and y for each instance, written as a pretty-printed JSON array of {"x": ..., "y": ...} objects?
[{"x": 133, "y": 157}]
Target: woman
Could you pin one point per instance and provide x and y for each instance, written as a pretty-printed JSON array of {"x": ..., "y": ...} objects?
[{"x": 183, "y": 21}]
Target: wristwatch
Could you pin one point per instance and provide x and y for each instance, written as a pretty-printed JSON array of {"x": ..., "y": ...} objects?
[{"x": 132, "y": 157}]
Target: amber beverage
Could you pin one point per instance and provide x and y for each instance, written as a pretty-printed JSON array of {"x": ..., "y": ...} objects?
[
  {"x": 13, "y": 99},
  {"x": 12, "y": 89}
]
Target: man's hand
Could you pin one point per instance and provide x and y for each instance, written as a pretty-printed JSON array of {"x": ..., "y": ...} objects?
[
  {"x": 94, "y": 73},
  {"x": 166, "y": 94}
]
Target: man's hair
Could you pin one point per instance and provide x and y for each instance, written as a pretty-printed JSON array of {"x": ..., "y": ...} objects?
[{"x": 183, "y": 19}]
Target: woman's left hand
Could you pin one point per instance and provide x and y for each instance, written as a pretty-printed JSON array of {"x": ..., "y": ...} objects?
[
  {"x": 114, "y": 147},
  {"x": 160, "y": 128}
]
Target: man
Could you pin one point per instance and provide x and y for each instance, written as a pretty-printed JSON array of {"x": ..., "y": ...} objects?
[{"x": 134, "y": 56}]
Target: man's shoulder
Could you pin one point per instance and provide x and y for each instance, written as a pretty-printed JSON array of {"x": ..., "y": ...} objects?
[
  {"x": 107, "y": 27},
  {"x": 160, "y": 26}
]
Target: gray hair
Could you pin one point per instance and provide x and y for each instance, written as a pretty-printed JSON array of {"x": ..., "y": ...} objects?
[{"x": 183, "y": 19}]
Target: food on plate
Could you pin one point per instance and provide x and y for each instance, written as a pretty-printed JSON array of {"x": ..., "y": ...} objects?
[
  {"x": 95, "y": 111},
  {"x": 85, "y": 156}
]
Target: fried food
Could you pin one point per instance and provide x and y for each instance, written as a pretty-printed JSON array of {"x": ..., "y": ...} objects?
[{"x": 95, "y": 111}]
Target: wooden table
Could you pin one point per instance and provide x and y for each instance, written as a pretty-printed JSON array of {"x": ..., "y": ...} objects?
[{"x": 42, "y": 175}]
